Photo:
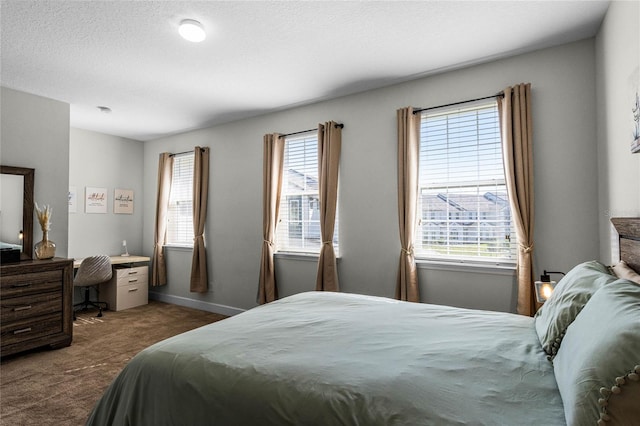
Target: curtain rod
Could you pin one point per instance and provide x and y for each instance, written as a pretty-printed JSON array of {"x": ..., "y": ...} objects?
[
  {"x": 498, "y": 95},
  {"x": 338, "y": 125},
  {"x": 180, "y": 153}
]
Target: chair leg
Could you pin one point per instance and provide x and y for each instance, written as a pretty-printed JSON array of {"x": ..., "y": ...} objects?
[
  {"x": 84, "y": 305},
  {"x": 99, "y": 303}
]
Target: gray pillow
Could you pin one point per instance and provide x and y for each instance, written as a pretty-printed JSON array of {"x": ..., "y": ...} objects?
[
  {"x": 598, "y": 366},
  {"x": 569, "y": 297}
]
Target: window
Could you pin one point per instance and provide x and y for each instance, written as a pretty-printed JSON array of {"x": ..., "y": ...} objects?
[
  {"x": 298, "y": 228},
  {"x": 463, "y": 207},
  {"x": 180, "y": 214}
]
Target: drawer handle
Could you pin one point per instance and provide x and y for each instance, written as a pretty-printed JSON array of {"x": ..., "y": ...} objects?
[
  {"x": 23, "y": 330},
  {"x": 22, "y": 308},
  {"x": 133, "y": 289},
  {"x": 133, "y": 272},
  {"x": 21, "y": 285},
  {"x": 133, "y": 281}
]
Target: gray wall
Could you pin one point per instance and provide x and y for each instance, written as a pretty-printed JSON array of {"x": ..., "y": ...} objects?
[
  {"x": 564, "y": 111},
  {"x": 618, "y": 78},
  {"x": 35, "y": 133},
  {"x": 594, "y": 170},
  {"x": 111, "y": 162}
]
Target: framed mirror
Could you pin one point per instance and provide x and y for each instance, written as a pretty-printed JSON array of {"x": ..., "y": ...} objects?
[{"x": 16, "y": 209}]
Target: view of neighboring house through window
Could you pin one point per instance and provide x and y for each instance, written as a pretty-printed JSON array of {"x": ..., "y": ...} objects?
[
  {"x": 298, "y": 228},
  {"x": 463, "y": 205},
  {"x": 180, "y": 213}
]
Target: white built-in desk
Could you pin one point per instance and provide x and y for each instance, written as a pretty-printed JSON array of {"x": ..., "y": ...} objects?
[
  {"x": 129, "y": 285},
  {"x": 119, "y": 260}
]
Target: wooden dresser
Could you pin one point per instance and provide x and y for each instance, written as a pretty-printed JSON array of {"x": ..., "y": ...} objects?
[{"x": 37, "y": 304}]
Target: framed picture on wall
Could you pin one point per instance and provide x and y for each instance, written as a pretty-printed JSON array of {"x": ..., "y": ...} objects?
[
  {"x": 634, "y": 86},
  {"x": 95, "y": 200},
  {"x": 123, "y": 201},
  {"x": 73, "y": 199},
  {"x": 635, "y": 110}
]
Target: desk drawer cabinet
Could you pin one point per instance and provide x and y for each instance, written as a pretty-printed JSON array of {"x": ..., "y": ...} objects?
[
  {"x": 35, "y": 300},
  {"x": 129, "y": 287}
]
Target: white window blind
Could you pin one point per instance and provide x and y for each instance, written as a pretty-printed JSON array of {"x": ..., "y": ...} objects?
[
  {"x": 463, "y": 205},
  {"x": 180, "y": 214},
  {"x": 298, "y": 227}
]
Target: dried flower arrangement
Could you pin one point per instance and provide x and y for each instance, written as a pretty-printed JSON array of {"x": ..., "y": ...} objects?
[
  {"x": 45, "y": 249},
  {"x": 44, "y": 217}
]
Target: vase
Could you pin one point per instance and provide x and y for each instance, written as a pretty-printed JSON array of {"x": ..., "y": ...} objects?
[{"x": 45, "y": 249}]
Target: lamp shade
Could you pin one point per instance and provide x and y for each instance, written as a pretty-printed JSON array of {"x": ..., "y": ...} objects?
[{"x": 544, "y": 289}]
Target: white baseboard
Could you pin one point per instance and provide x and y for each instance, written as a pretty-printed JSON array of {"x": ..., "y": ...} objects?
[{"x": 195, "y": 304}]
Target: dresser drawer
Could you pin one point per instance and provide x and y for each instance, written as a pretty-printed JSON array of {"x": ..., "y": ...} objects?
[
  {"x": 16, "y": 308},
  {"x": 30, "y": 328},
  {"x": 31, "y": 283}
]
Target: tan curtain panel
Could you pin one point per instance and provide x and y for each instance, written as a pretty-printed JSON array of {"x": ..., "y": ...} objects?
[
  {"x": 408, "y": 152},
  {"x": 271, "y": 189},
  {"x": 517, "y": 139},
  {"x": 199, "y": 276},
  {"x": 158, "y": 264},
  {"x": 329, "y": 146}
]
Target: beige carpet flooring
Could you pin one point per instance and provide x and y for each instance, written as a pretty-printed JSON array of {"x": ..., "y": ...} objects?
[{"x": 60, "y": 387}]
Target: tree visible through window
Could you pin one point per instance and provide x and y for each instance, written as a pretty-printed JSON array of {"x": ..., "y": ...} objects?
[
  {"x": 463, "y": 203},
  {"x": 180, "y": 213}
]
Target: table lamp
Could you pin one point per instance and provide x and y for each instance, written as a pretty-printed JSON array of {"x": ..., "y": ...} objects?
[{"x": 545, "y": 287}]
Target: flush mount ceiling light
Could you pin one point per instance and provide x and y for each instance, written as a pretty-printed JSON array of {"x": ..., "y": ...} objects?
[{"x": 192, "y": 30}]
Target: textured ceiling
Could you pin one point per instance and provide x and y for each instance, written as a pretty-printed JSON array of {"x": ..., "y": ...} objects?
[{"x": 258, "y": 56}]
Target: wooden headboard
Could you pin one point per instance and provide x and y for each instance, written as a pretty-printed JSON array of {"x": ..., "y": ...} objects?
[{"x": 629, "y": 232}]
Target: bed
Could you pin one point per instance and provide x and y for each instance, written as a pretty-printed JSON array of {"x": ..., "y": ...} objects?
[{"x": 323, "y": 358}]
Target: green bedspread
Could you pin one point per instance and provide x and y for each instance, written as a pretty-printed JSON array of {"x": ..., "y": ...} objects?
[{"x": 323, "y": 358}]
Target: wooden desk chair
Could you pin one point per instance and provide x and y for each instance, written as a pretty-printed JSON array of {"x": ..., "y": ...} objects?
[{"x": 92, "y": 272}]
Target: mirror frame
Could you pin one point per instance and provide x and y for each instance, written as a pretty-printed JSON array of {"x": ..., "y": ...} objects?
[{"x": 27, "y": 207}]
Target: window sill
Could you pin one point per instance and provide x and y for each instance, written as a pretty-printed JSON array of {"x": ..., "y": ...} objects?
[
  {"x": 291, "y": 255},
  {"x": 176, "y": 247},
  {"x": 467, "y": 266}
]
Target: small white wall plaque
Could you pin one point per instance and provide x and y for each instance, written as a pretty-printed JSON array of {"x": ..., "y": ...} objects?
[
  {"x": 95, "y": 200},
  {"x": 123, "y": 201}
]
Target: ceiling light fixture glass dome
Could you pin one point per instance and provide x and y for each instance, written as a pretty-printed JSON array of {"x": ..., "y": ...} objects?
[{"x": 192, "y": 30}]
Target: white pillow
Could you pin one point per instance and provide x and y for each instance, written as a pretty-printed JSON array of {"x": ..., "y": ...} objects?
[{"x": 622, "y": 270}]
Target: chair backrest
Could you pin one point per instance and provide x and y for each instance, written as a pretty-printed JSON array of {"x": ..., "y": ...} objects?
[{"x": 93, "y": 270}]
